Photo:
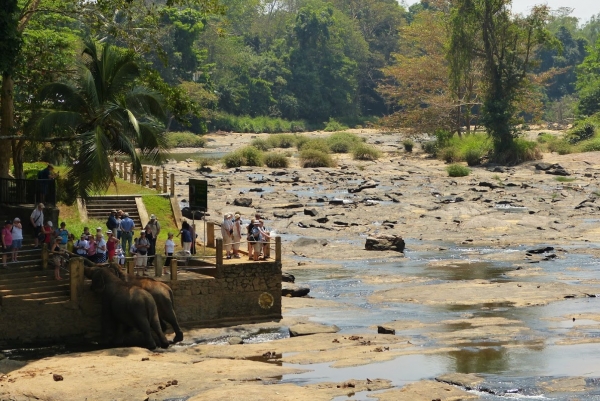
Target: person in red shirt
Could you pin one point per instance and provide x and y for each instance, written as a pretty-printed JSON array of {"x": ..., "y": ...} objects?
[
  {"x": 47, "y": 231},
  {"x": 111, "y": 245},
  {"x": 6, "y": 241}
]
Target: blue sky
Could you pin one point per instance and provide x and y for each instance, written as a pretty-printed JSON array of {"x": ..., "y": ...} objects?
[{"x": 582, "y": 9}]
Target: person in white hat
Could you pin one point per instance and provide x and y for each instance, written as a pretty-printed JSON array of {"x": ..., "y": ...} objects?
[
  {"x": 17, "y": 234},
  {"x": 154, "y": 226},
  {"x": 227, "y": 233}
]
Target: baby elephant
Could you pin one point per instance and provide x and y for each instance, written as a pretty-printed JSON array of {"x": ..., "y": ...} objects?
[{"x": 126, "y": 305}]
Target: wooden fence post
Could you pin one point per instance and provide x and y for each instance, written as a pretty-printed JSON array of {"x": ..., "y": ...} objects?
[
  {"x": 267, "y": 248},
  {"x": 159, "y": 262},
  {"x": 144, "y": 175},
  {"x": 156, "y": 180},
  {"x": 173, "y": 269},
  {"x": 76, "y": 278},
  {"x": 131, "y": 173},
  {"x": 125, "y": 171},
  {"x": 130, "y": 267},
  {"x": 172, "y": 184},
  {"x": 121, "y": 169},
  {"x": 278, "y": 249},
  {"x": 150, "y": 177},
  {"x": 164, "y": 182},
  {"x": 210, "y": 234},
  {"x": 219, "y": 250}
]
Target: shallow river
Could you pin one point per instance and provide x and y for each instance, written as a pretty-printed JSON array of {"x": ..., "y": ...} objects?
[{"x": 512, "y": 369}]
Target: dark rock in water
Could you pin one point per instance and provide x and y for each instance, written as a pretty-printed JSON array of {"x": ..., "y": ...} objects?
[
  {"x": 322, "y": 220},
  {"x": 541, "y": 250},
  {"x": 543, "y": 166},
  {"x": 195, "y": 215},
  {"x": 311, "y": 212},
  {"x": 370, "y": 184},
  {"x": 284, "y": 214},
  {"x": 205, "y": 169},
  {"x": 385, "y": 330},
  {"x": 256, "y": 190},
  {"x": 305, "y": 329},
  {"x": 294, "y": 291},
  {"x": 288, "y": 277},
  {"x": 244, "y": 202},
  {"x": 321, "y": 200},
  {"x": 385, "y": 242}
]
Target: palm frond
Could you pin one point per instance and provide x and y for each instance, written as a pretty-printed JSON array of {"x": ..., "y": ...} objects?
[
  {"x": 87, "y": 82},
  {"x": 145, "y": 101},
  {"x": 62, "y": 96},
  {"x": 48, "y": 123}
]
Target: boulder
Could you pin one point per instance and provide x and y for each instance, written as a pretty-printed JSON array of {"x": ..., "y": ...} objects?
[
  {"x": 305, "y": 329},
  {"x": 235, "y": 340},
  {"x": 288, "y": 277},
  {"x": 294, "y": 291},
  {"x": 385, "y": 330},
  {"x": 284, "y": 214},
  {"x": 311, "y": 212},
  {"x": 188, "y": 214},
  {"x": 385, "y": 242},
  {"x": 304, "y": 241},
  {"x": 243, "y": 202}
]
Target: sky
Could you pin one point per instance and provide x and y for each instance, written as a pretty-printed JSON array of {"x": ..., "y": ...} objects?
[{"x": 582, "y": 9}]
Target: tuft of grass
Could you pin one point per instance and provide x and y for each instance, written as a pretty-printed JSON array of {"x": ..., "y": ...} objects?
[
  {"x": 276, "y": 160},
  {"x": 458, "y": 170},
  {"x": 316, "y": 158},
  {"x": 365, "y": 152},
  {"x": 591, "y": 145},
  {"x": 473, "y": 156},
  {"x": 564, "y": 179},
  {"x": 408, "y": 145},
  {"x": 247, "y": 156},
  {"x": 283, "y": 141},
  {"x": 206, "y": 161},
  {"x": 261, "y": 144},
  {"x": 316, "y": 144},
  {"x": 343, "y": 142},
  {"x": 185, "y": 140},
  {"x": 333, "y": 125}
]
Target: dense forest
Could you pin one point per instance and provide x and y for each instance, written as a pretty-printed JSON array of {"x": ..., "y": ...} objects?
[{"x": 294, "y": 65}]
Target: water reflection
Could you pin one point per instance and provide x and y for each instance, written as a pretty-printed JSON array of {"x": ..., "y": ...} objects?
[{"x": 476, "y": 360}]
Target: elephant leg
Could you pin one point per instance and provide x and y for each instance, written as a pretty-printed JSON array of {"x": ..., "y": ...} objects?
[
  {"x": 155, "y": 325},
  {"x": 119, "y": 335},
  {"x": 141, "y": 323},
  {"x": 163, "y": 325},
  {"x": 168, "y": 315}
]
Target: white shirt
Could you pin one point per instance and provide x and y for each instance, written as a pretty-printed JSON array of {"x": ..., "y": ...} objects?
[
  {"x": 99, "y": 244},
  {"x": 38, "y": 217},
  {"x": 82, "y": 247},
  {"x": 17, "y": 233},
  {"x": 169, "y": 246}
]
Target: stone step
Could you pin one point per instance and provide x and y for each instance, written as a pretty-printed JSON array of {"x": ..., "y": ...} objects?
[
  {"x": 25, "y": 277},
  {"x": 21, "y": 272},
  {"x": 51, "y": 300},
  {"x": 40, "y": 296},
  {"x": 34, "y": 288}
]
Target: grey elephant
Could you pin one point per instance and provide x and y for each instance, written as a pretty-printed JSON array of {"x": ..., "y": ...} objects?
[
  {"x": 125, "y": 305},
  {"x": 162, "y": 294}
]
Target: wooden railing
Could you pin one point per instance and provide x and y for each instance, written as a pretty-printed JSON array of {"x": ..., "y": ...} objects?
[
  {"x": 15, "y": 191},
  {"x": 152, "y": 177}
]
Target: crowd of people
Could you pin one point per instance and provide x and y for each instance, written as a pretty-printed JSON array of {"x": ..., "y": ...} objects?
[{"x": 257, "y": 236}]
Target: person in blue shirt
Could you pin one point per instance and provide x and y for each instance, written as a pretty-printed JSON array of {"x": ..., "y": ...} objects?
[
  {"x": 63, "y": 234},
  {"x": 186, "y": 237},
  {"x": 127, "y": 226}
]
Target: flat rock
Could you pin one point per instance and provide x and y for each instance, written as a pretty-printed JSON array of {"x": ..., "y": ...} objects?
[
  {"x": 243, "y": 202},
  {"x": 306, "y": 329},
  {"x": 385, "y": 242},
  {"x": 291, "y": 290},
  {"x": 468, "y": 381}
]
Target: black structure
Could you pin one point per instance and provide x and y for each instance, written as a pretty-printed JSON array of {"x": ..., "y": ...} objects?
[{"x": 20, "y": 191}]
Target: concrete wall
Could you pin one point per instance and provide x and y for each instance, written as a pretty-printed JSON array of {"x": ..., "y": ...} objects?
[{"x": 234, "y": 296}]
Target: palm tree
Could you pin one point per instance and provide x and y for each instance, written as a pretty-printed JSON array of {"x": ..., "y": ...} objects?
[{"x": 106, "y": 114}]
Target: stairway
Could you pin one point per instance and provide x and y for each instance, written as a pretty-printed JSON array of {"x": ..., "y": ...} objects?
[
  {"x": 27, "y": 281},
  {"x": 99, "y": 207}
]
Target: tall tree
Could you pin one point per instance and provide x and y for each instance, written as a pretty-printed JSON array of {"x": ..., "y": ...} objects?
[
  {"x": 506, "y": 44},
  {"x": 588, "y": 82}
]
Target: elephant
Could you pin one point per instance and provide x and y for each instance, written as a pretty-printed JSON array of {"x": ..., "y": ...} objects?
[
  {"x": 126, "y": 305},
  {"x": 162, "y": 294}
]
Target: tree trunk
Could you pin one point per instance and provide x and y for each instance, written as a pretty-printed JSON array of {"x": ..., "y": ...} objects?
[
  {"x": 6, "y": 123},
  {"x": 17, "y": 154}
]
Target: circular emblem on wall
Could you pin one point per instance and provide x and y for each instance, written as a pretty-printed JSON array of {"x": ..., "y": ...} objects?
[{"x": 266, "y": 300}]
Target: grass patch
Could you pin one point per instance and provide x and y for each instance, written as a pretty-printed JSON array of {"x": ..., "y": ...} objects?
[
  {"x": 231, "y": 123},
  {"x": 276, "y": 160},
  {"x": 333, "y": 125},
  {"x": 458, "y": 170},
  {"x": 315, "y": 144},
  {"x": 564, "y": 179},
  {"x": 206, "y": 161},
  {"x": 591, "y": 145},
  {"x": 365, "y": 152},
  {"x": 283, "y": 141},
  {"x": 408, "y": 145},
  {"x": 261, "y": 144},
  {"x": 343, "y": 142},
  {"x": 316, "y": 158},
  {"x": 161, "y": 207},
  {"x": 185, "y": 140},
  {"x": 247, "y": 156}
]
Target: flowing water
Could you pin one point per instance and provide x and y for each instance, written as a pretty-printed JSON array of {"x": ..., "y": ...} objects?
[{"x": 512, "y": 369}]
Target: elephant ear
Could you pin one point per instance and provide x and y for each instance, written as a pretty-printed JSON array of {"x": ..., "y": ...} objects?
[
  {"x": 88, "y": 271},
  {"x": 98, "y": 280}
]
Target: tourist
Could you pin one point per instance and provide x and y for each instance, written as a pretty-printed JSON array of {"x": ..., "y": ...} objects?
[
  {"x": 227, "y": 233},
  {"x": 250, "y": 239},
  {"x": 169, "y": 251},
  {"x": 194, "y": 236},
  {"x": 57, "y": 259},
  {"x": 141, "y": 246},
  {"x": 37, "y": 221},
  {"x": 100, "y": 248},
  {"x": 112, "y": 223},
  {"x": 155, "y": 227},
  {"x": 91, "y": 249},
  {"x": 237, "y": 235},
  {"x": 127, "y": 226},
  {"x": 86, "y": 232},
  {"x": 82, "y": 245},
  {"x": 47, "y": 232},
  {"x": 17, "y": 238},
  {"x": 120, "y": 255},
  {"x": 6, "y": 241},
  {"x": 255, "y": 239},
  {"x": 151, "y": 250},
  {"x": 186, "y": 237},
  {"x": 71, "y": 243},
  {"x": 265, "y": 236},
  {"x": 119, "y": 220},
  {"x": 63, "y": 234},
  {"x": 111, "y": 245}
]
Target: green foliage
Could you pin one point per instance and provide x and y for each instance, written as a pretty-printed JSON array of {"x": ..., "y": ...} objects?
[
  {"x": 261, "y": 144},
  {"x": 343, "y": 142},
  {"x": 206, "y": 161},
  {"x": 283, "y": 141},
  {"x": 520, "y": 151},
  {"x": 319, "y": 144},
  {"x": 10, "y": 45},
  {"x": 231, "y": 123},
  {"x": 458, "y": 170},
  {"x": 431, "y": 147},
  {"x": 588, "y": 82},
  {"x": 473, "y": 156},
  {"x": 591, "y": 145},
  {"x": 185, "y": 140},
  {"x": 276, "y": 160},
  {"x": 470, "y": 148},
  {"x": 450, "y": 154},
  {"x": 365, "y": 152},
  {"x": 408, "y": 145},
  {"x": 564, "y": 179},
  {"x": 247, "y": 156},
  {"x": 333, "y": 125},
  {"x": 316, "y": 158},
  {"x": 582, "y": 132}
]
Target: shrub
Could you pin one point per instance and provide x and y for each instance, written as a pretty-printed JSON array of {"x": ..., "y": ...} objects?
[
  {"x": 206, "y": 161},
  {"x": 282, "y": 141},
  {"x": 561, "y": 147},
  {"x": 185, "y": 140},
  {"x": 315, "y": 158},
  {"x": 261, "y": 144},
  {"x": 430, "y": 147},
  {"x": 450, "y": 154},
  {"x": 248, "y": 156},
  {"x": 333, "y": 125},
  {"x": 300, "y": 141},
  {"x": 408, "y": 145},
  {"x": 234, "y": 159},
  {"x": 526, "y": 150},
  {"x": 442, "y": 137},
  {"x": 276, "y": 160},
  {"x": 365, "y": 152},
  {"x": 458, "y": 170},
  {"x": 343, "y": 142},
  {"x": 581, "y": 133},
  {"x": 592, "y": 145},
  {"x": 473, "y": 156},
  {"x": 317, "y": 144}
]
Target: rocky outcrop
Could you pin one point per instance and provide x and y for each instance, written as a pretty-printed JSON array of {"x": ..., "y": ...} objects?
[
  {"x": 244, "y": 202},
  {"x": 385, "y": 242},
  {"x": 305, "y": 329}
]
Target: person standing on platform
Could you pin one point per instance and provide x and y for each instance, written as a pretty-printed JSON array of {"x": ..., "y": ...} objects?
[
  {"x": 17, "y": 234},
  {"x": 37, "y": 221},
  {"x": 227, "y": 234},
  {"x": 186, "y": 237},
  {"x": 169, "y": 251},
  {"x": 127, "y": 226},
  {"x": 6, "y": 242},
  {"x": 237, "y": 235}
]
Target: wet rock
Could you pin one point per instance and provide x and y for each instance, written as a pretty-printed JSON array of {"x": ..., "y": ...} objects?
[
  {"x": 235, "y": 340},
  {"x": 467, "y": 381},
  {"x": 305, "y": 329},
  {"x": 336, "y": 201},
  {"x": 57, "y": 378},
  {"x": 323, "y": 219},
  {"x": 371, "y": 202},
  {"x": 489, "y": 185},
  {"x": 304, "y": 241},
  {"x": 311, "y": 212},
  {"x": 243, "y": 202},
  {"x": 306, "y": 224},
  {"x": 292, "y": 205},
  {"x": 450, "y": 199},
  {"x": 385, "y": 242},
  {"x": 256, "y": 190},
  {"x": 288, "y": 277},
  {"x": 541, "y": 250},
  {"x": 558, "y": 171},
  {"x": 278, "y": 173},
  {"x": 294, "y": 291},
  {"x": 544, "y": 166},
  {"x": 284, "y": 214},
  {"x": 369, "y": 184},
  {"x": 385, "y": 330}
]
